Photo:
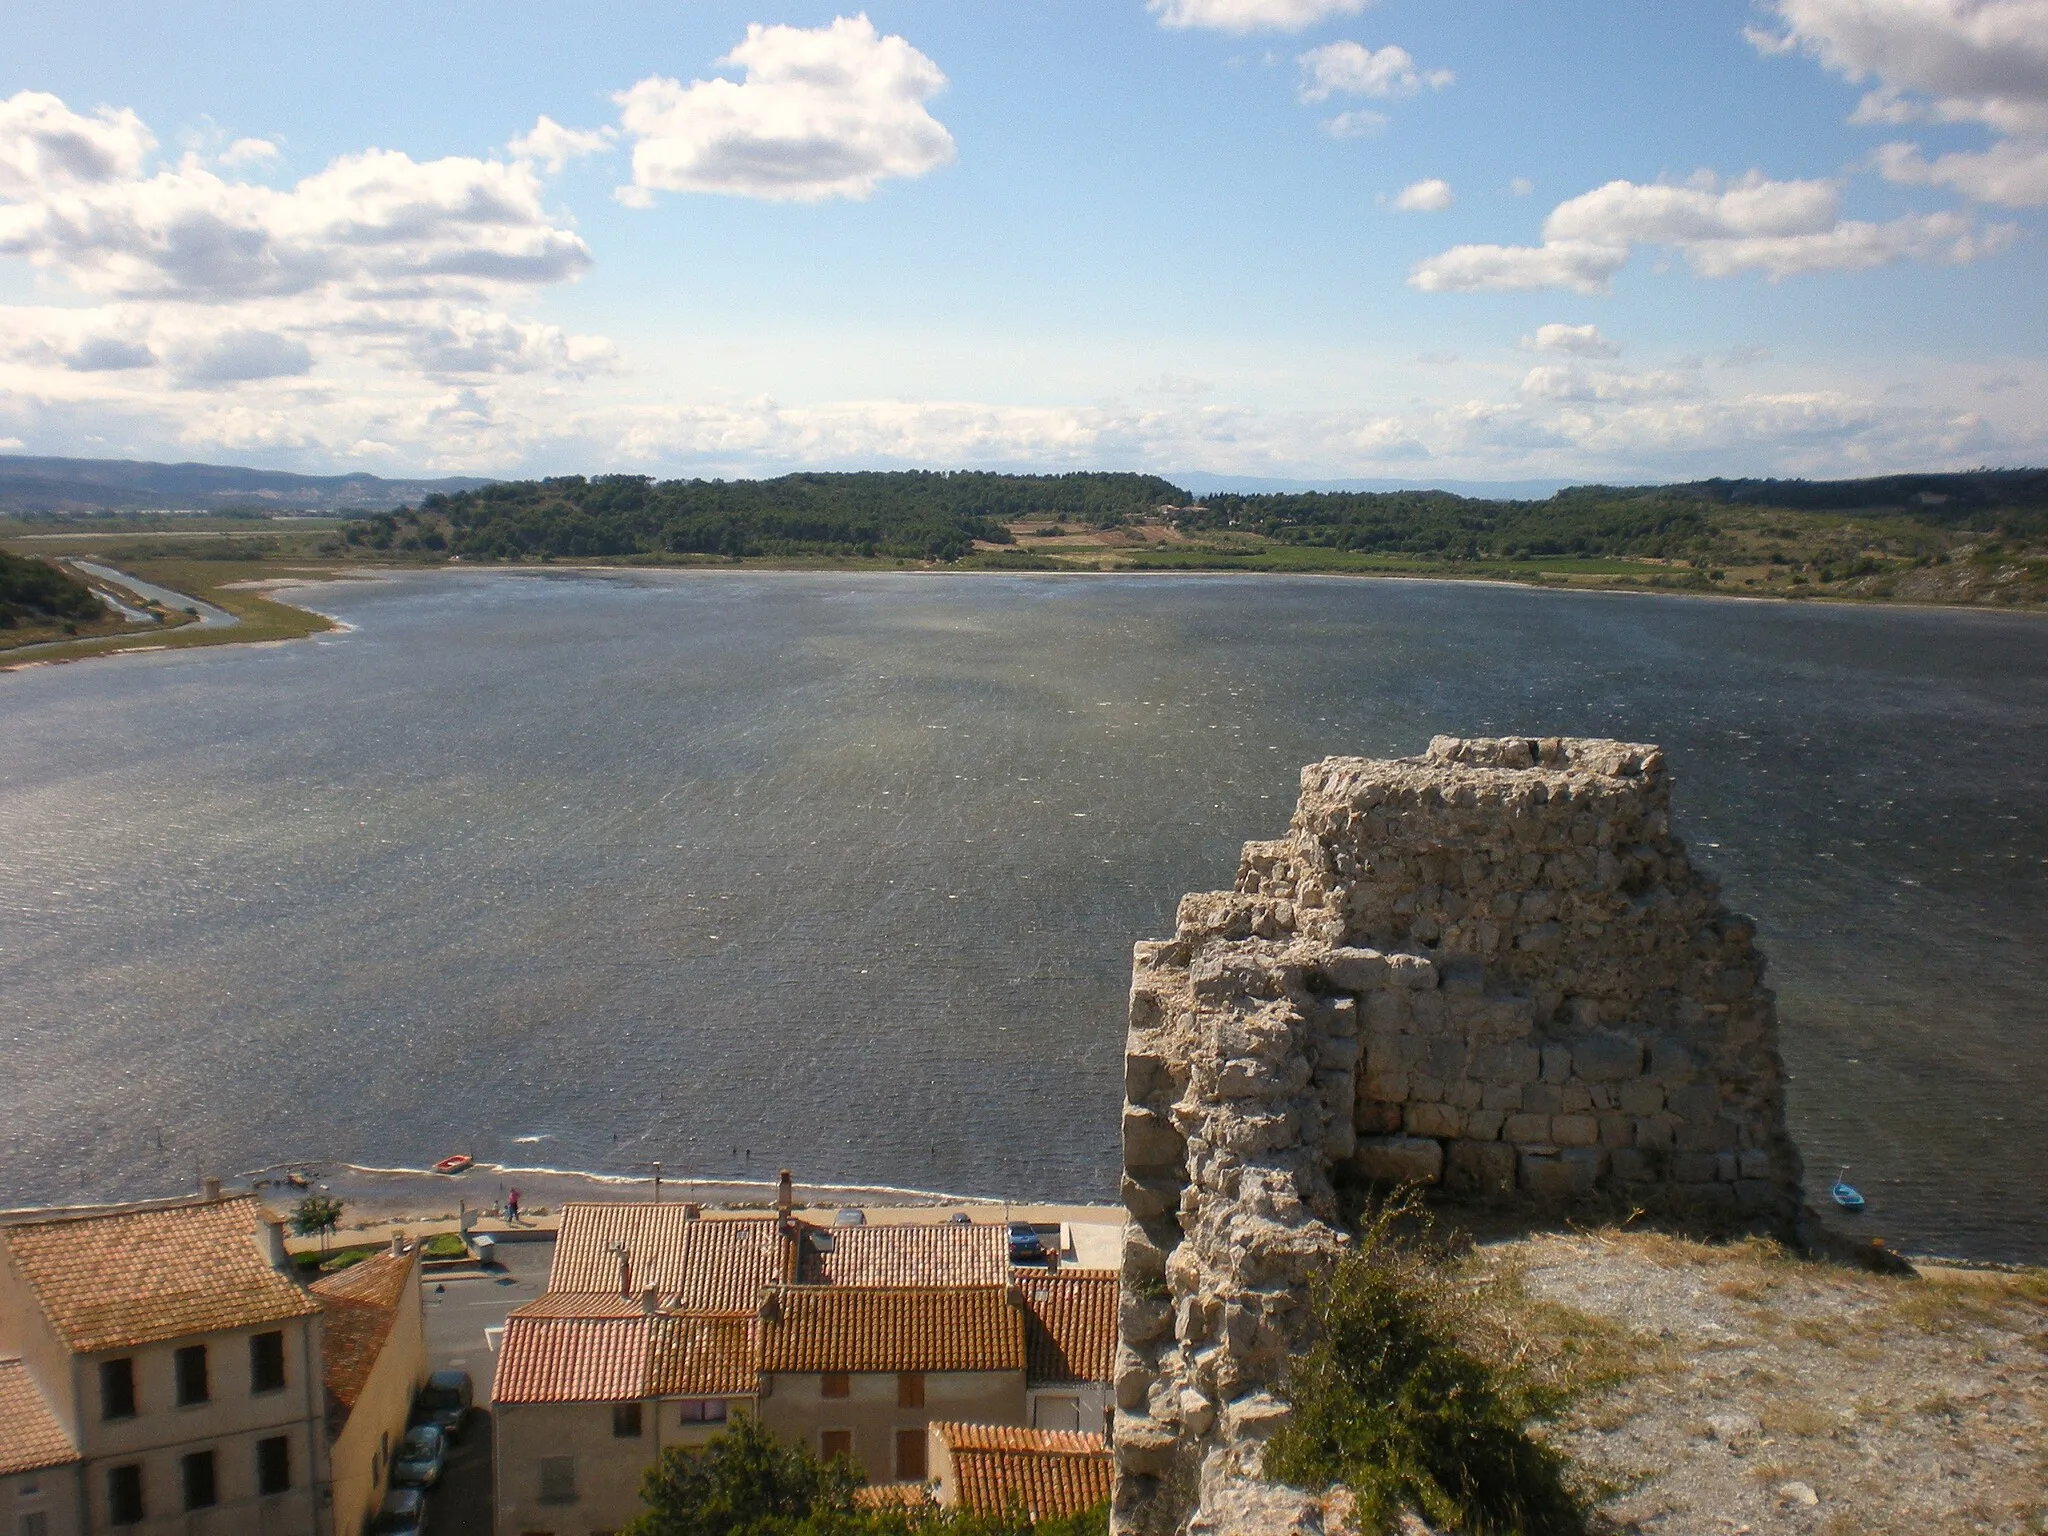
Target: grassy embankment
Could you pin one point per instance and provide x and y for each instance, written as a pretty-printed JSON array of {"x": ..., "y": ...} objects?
[{"x": 198, "y": 557}]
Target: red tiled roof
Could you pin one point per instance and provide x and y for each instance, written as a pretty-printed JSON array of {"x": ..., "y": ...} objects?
[
  {"x": 912, "y": 1253},
  {"x": 714, "y": 1264},
  {"x": 126, "y": 1278},
  {"x": 579, "y": 1304},
  {"x": 361, "y": 1303},
  {"x": 1070, "y": 1324},
  {"x": 1045, "y": 1473},
  {"x": 618, "y": 1359},
  {"x": 703, "y": 1265},
  {"x": 30, "y": 1437},
  {"x": 891, "y": 1328},
  {"x": 892, "y": 1496}
]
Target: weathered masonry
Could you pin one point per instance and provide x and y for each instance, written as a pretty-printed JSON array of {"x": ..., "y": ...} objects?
[{"x": 1490, "y": 969}]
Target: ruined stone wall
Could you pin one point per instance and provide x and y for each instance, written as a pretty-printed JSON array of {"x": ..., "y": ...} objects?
[{"x": 1490, "y": 969}]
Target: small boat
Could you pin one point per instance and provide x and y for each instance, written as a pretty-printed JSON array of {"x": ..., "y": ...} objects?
[
  {"x": 1845, "y": 1194},
  {"x": 459, "y": 1163}
]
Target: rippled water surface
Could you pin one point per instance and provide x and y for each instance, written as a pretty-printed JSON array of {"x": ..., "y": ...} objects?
[{"x": 844, "y": 871}]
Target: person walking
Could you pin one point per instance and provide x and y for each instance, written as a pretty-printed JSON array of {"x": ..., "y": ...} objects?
[{"x": 512, "y": 1208}]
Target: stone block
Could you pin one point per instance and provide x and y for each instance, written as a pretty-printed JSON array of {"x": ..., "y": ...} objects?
[
  {"x": 1425, "y": 1088},
  {"x": 1617, "y": 1131},
  {"x": 1543, "y": 1098},
  {"x": 1150, "y": 1141},
  {"x": 1465, "y": 1093},
  {"x": 1338, "y": 1051},
  {"x": 1576, "y": 1098},
  {"x": 1141, "y": 1319},
  {"x": 1754, "y": 1196},
  {"x": 1607, "y": 1058},
  {"x": 1149, "y": 1197},
  {"x": 1501, "y": 1096},
  {"x": 1631, "y": 1166},
  {"x": 1693, "y": 1167},
  {"x": 1543, "y": 1176},
  {"x": 1526, "y": 1129},
  {"x": 1716, "y": 1136},
  {"x": 1697, "y": 1105},
  {"x": 1144, "y": 1077},
  {"x": 1354, "y": 970},
  {"x": 1656, "y": 1133},
  {"x": 1341, "y": 1139},
  {"x": 1400, "y": 1159},
  {"x": 1143, "y": 1444},
  {"x": 1671, "y": 1061},
  {"x": 1376, "y": 1119},
  {"x": 1463, "y": 978},
  {"x": 1134, "y": 1377},
  {"x": 1256, "y": 1416},
  {"x": 1386, "y": 1087},
  {"x": 1341, "y": 1018},
  {"x": 1434, "y": 1120},
  {"x": 1575, "y": 1130},
  {"x": 1641, "y": 1097},
  {"x": 1248, "y": 1080},
  {"x": 1484, "y": 1124},
  {"x": 1755, "y": 1163},
  {"x": 1415, "y": 972},
  {"x": 1387, "y": 1009},
  {"x": 1557, "y": 1063},
  {"x": 1480, "y": 1168}
]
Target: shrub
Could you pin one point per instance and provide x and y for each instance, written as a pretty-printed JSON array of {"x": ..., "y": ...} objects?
[
  {"x": 444, "y": 1245},
  {"x": 1387, "y": 1402}
]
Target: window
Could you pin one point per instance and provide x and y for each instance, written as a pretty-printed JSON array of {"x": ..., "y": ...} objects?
[
  {"x": 117, "y": 1390},
  {"x": 625, "y": 1421},
  {"x": 35, "y": 1523},
  {"x": 1056, "y": 1413},
  {"x": 190, "y": 1369},
  {"x": 834, "y": 1443},
  {"x": 558, "y": 1479},
  {"x": 910, "y": 1455},
  {"x": 124, "y": 1495},
  {"x": 273, "y": 1464},
  {"x": 910, "y": 1389},
  {"x": 834, "y": 1384},
  {"x": 266, "y": 1362},
  {"x": 701, "y": 1410},
  {"x": 200, "y": 1490}
]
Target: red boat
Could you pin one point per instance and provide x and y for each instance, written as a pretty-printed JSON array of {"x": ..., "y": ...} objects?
[{"x": 459, "y": 1163}]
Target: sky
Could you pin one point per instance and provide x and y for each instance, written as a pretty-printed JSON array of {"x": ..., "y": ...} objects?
[{"x": 1289, "y": 239}]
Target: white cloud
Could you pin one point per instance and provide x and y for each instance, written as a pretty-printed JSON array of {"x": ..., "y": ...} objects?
[
  {"x": 1355, "y": 124},
  {"x": 1509, "y": 268},
  {"x": 238, "y": 355},
  {"x": 486, "y": 341},
  {"x": 1432, "y": 196},
  {"x": 825, "y": 112},
  {"x": 1576, "y": 340},
  {"x": 1251, "y": 15},
  {"x": 1521, "y": 186},
  {"x": 1945, "y": 60},
  {"x": 551, "y": 146},
  {"x": 108, "y": 354},
  {"x": 46, "y": 148},
  {"x": 1352, "y": 69},
  {"x": 1549, "y": 381},
  {"x": 1779, "y": 228},
  {"x": 245, "y": 152},
  {"x": 2010, "y": 172}
]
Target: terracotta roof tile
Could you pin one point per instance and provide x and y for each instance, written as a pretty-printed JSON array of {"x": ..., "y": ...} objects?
[
  {"x": 30, "y": 1437},
  {"x": 1070, "y": 1324},
  {"x": 361, "y": 1303},
  {"x": 126, "y": 1278},
  {"x": 1046, "y": 1473},
  {"x": 892, "y": 1496},
  {"x": 891, "y": 1328},
  {"x": 911, "y": 1253},
  {"x": 714, "y": 1264},
  {"x": 579, "y": 1304},
  {"x": 623, "y": 1359}
]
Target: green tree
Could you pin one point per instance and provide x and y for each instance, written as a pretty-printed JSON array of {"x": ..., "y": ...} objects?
[{"x": 316, "y": 1213}]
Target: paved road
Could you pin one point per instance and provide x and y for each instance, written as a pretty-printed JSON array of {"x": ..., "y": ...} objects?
[{"x": 458, "y": 1311}]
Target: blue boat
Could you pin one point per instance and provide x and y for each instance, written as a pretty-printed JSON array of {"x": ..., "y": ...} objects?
[{"x": 1845, "y": 1194}]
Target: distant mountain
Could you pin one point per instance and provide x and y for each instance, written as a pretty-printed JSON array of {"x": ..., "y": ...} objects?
[
  {"x": 29, "y": 484},
  {"x": 1200, "y": 483}
]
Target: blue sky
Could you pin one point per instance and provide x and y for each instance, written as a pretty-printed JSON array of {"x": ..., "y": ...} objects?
[{"x": 1315, "y": 239}]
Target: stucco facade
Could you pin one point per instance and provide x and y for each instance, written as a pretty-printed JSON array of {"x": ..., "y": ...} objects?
[
  {"x": 574, "y": 1469},
  {"x": 361, "y": 1453},
  {"x": 872, "y": 1412}
]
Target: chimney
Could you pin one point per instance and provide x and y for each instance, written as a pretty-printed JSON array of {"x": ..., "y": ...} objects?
[
  {"x": 785, "y": 1199},
  {"x": 691, "y": 1210},
  {"x": 397, "y": 1243},
  {"x": 210, "y": 1187},
  {"x": 625, "y": 1259},
  {"x": 269, "y": 1235},
  {"x": 650, "y": 1301}
]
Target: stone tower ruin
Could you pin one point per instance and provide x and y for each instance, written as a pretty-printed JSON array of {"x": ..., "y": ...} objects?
[{"x": 1490, "y": 969}]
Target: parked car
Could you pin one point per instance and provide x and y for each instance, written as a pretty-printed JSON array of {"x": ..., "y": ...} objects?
[
  {"x": 852, "y": 1216},
  {"x": 1025, "y": 1248},
  {"x": 421, "y": 1455},
  {"x": 403, "y": 1513},
  {"x": 444, "y": 1402}
]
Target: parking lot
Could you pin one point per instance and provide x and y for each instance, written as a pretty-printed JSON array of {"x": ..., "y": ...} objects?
[{"x": 458, "y": 1310}]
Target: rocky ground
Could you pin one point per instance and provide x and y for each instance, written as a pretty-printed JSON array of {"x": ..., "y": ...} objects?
[{"x": 1751, "y": 1392}]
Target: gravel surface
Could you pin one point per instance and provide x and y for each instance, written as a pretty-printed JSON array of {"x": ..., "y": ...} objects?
[{"x": 1771, "y": 1394}]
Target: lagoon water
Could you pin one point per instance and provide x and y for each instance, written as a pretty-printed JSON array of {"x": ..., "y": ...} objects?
[{"x": 842, "y": 872}]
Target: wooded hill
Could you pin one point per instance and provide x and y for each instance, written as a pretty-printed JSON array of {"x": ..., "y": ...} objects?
[
  {"x": 933, "y": 516},
  {"x": 32, "y": 592}
]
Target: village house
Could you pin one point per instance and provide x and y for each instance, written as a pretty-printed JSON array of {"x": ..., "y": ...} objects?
[
  {"x": 1042, "y": 1474},
  {"x": 162, "y": 1370},
  {"x": 659, "y": 1325},
  {"x": 374, "y": 1362},
  {"x": 179, "y": 1361}
]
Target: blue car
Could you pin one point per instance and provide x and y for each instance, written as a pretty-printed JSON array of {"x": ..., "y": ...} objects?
[
  {"x": 420, "y": 1458},
  {"x": 1025, "y": 1247},
  {"x": 403, "y": 1513}
]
